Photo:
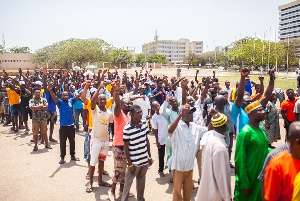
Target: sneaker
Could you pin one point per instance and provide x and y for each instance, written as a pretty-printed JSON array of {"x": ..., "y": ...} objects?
[
  {"x": 62, "y": 161},
  {"x": 26, "y": 132},
  {"x": 48, "y": 146},
  {"x": 35, "y": 148}
]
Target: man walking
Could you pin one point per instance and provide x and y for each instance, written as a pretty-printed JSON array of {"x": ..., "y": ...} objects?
[
  {"x": 66, "y": 130},
  {"x": 137, "y": 150}
]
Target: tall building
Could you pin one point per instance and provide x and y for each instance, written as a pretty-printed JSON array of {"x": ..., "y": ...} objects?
[
  {"x": 174, "y": 50},
  {"x": 289, "y": 20}
]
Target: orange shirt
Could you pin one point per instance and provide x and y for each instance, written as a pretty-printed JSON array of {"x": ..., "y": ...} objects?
[
  {"x": 253, "y": 95},
  {"x": 289, "y": 107},
  {"x": 13, "y": 97},
  {"x": 119, "y": 123},
  {"x": 279, "y": 177}
]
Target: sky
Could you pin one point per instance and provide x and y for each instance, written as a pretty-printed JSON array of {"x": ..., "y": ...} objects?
[{"x": 131, "y": 23}]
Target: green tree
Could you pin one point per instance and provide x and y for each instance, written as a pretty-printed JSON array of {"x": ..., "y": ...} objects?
[
  {"x": 120, "y": 56},
  {"x": 157, "y": 58},
  {"x": 72, "y": 50},
  {"x": 140, "y": 58},
  {"x": 19, "y": 50}
]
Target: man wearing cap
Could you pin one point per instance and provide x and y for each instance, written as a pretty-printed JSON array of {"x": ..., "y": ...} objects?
[
  {"x": 251, "y": 151},
  {"x": 215, "y": 180},
  {"x": 185, "y": 140}
]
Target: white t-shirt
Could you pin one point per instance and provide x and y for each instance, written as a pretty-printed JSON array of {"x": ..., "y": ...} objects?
[
  {"x": 101, "y": 121},
  {"x": 144, "y": 104},
  {"x": 160, "y": 123},
  {"x": 178, "y": 93}
]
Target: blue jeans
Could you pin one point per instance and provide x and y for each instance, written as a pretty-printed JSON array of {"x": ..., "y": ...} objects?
[{"x": 77, "y": 113}]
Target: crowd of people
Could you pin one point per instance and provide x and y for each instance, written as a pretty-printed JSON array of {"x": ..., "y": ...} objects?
[{"x": 190, "y": 120}]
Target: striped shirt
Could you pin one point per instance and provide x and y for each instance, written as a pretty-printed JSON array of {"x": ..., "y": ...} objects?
[
  {"x": 269, "y": 157},
  {"x": 137, "y": 139}
]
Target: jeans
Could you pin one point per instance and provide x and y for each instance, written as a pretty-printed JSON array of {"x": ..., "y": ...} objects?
[{"x": 77, "y": 113}]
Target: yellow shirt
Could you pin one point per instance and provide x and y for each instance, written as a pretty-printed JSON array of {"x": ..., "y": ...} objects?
[
  {"x": 296, "y": 191},
  {"x": 13, "y": 97}
]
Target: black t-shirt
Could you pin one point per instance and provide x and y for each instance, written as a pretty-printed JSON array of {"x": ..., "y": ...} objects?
[{"x": 25, "y": 97}]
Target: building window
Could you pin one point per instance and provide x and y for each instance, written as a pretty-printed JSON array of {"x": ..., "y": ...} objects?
[
  {"x": 198, "y": 52},
  {"x": 168, "y": 55},
  {"x": 198, "y": 43},
  {"x": 182, "y": 48},
  {"x": 168, "y": 47},
  {"x": 181, "y": 51},
  {"x": 182, "y": 44},
  {"x": 168, "y": 43},
  {"x": 168, "y": 51}
]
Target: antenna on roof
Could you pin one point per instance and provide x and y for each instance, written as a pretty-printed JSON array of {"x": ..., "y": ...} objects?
[
  {"x": 156, "y": 36},
  {"x": 3, "y": 42}
]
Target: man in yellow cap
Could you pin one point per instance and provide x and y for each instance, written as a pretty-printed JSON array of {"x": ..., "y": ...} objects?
[
  {"x": 215, "y": 179},
  {"x": 251, "y": 151}
]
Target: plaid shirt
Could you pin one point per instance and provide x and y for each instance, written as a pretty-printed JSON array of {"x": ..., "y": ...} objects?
[{"x": 269, "y": 157}]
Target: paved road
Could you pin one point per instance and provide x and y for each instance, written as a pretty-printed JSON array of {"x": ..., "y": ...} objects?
[{"x": 28, "y": 175}]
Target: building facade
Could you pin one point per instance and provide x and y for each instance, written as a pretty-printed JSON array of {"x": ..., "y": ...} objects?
[
  {"x": 14, "y": 61},
  {"x": 289, "y": 20},
  {"x": 174, "y": 50}
]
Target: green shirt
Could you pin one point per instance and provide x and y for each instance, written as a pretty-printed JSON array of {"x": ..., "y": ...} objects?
[
  {"x": 38, "y": 115},
  {"x": 251, "y": 151}
]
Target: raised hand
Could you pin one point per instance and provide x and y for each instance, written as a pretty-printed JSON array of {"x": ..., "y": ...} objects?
[
  {"x": 197, "y": 72},
  {"x": 261, "y": 78},
  {"x": 245, "y": 72},
  {"x": 168, "y": 97},
  {"x": 185, "y": 109},
  {"x": 185, "y": 82},
  {"x": 271, "y": 73},
  {"x": 208, "y": 80},
  {"x": 213, "y": 112}
]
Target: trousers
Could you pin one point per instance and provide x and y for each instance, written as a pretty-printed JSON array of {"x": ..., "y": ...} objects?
[
  {"x": 67, "y": 132},
  {"x": 140, "y": 175}
]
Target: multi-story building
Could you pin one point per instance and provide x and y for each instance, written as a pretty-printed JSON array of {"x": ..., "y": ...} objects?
[
  {"x": 289, "y": 20},
  {"x": 174, "y": 50}
]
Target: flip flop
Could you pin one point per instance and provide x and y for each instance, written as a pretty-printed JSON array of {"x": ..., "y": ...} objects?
[
  {"x": 89, "y": 189},
  {"x": 104, "y": 184}
]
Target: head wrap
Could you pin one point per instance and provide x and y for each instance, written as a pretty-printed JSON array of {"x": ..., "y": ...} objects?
[
  {"x": 252, "y": 107},
  {"x": 218, "y": 120}
]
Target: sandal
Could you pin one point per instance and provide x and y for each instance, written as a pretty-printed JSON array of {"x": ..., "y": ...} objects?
[
  {"x": 48, "y": 146},
  {"x": 35, "y": 148},
  {"x": 89, "y": 189},
  {"x": 104, "y": 184},
  {"x": 105, "y": 172}
]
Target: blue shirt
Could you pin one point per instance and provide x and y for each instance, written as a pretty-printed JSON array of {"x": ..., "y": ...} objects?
[
  {"x": 51, "y": 103},
  {"x": 78, "y": 104},
  {"x": 160, "y": 98},
  {"x": 239, "y": 117},
  {"x": 66, "y": 112},
  {"x": 248, "y": 87}
]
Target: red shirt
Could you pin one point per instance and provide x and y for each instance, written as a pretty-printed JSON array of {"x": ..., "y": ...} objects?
[
  {"x": 289, "y": 106},
  {"x": 279, "y": 177}
]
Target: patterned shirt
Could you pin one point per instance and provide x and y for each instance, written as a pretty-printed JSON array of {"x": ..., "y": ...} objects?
[
  {"x": 270, "y": 156},
  {"x": 38, "y": 115}
]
